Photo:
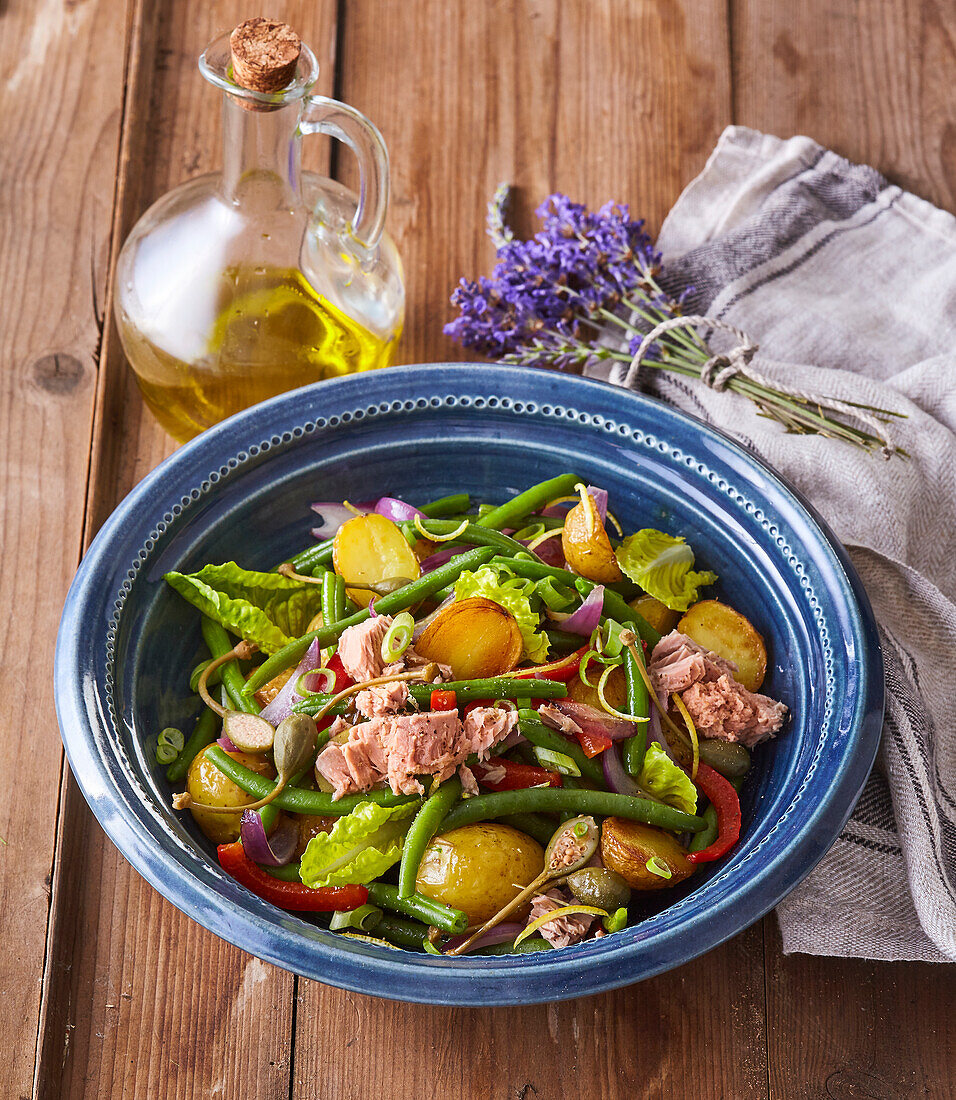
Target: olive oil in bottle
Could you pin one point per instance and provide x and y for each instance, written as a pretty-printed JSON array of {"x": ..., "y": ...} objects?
[
  {"x": 271, "y": 332},
  {"x": 261, "y": 278}
]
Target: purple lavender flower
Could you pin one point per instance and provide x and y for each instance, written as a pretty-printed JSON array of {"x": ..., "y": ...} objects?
[{"x": 548, "y": 297}]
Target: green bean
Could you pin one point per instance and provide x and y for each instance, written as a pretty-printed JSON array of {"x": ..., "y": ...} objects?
[
  {"x": 288, "y": 873},
  {"x": 312, "y": 558},
  {"x": 399, "y": 600},
  {"x": 219, "y": 643},
  {"x": 562, "y": 640},
  {"x": 333, "y": 602},
  {"x": 422, "y": 829},
  {"x": 536, "y": 826},
  {"x": 506, "y": 515},
  {"x": 466, "y": 691},
  {"x": 269, "y": 814},
  {"x": 484, "y": 807},
  {"x": 204, "y": 733},
  {"x": 638, "y": 702},
  {"x": 403, "y": 933},
  {"x": 299, "y": 801},
  {"x": 707, "y": 835},
  {"x": 194, "y": 676},
  {"x": 546, "y": 738},
  {"x": 526, "y": 947},
  {"x": 473, "y": 534},
  {"x": 614, "y": 605},
  {"x": 444, "y": 506},
  {"x": 418, "y": 907}
]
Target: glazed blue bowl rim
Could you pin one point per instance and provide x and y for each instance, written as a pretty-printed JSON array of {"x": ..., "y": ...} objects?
[{"x": 253, "y": 925}]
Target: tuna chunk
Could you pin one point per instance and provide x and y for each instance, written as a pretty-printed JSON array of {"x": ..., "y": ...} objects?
[
  {"x": 677, "y": 662},
  {"x": 468, "y": 782},
  {"x": 484, "y": 727},
  {"x": 565, "y": 930},
  {"x": 332, "y": 765},
  {"x": 360, "y": 648},
  {"x": 718, "y": 704},
  {"x": 429, "y": 743},
  {"x": 724, "y": 709},
  {"x": 551, "y": 716},
  {"x": 383, "y": 699}
]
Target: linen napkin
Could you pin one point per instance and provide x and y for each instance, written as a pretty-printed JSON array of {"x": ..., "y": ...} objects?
[{"x": 851, "y": 282}]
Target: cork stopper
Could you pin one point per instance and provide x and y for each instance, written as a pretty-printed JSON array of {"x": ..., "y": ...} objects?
[{"x": 265, "y": 53}]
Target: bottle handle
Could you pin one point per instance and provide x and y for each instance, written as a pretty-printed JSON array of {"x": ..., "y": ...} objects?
[{"x": 321, "y": 115}]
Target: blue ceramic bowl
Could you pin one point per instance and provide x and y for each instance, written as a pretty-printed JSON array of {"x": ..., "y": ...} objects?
[{"x": 242, "y": 490}]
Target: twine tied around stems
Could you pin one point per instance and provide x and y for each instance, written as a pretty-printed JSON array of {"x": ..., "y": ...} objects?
[{"x": 720, "y": 370}]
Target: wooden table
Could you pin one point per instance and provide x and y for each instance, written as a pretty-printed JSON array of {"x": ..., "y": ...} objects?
[{"x": 105, "y": 989}]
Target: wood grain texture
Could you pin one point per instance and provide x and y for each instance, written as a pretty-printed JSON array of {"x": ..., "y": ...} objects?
[
  {"x": 61, "y": 87},
  {"x": 871, "y": 79},
  {"x": 604, "y": 101},
  {"x": 138, "y": 1000}
]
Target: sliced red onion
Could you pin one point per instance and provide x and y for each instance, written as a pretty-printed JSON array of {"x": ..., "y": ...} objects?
[
  {"x": 440, "y": 557},
  {"x": 594, "y": 721},
  {"x": 373, "y": 614},
  {"x": 397, "y": 510},
  {"x": 615, "y": 774},
  {"x": 551, "y": 552},
  {"x": 599, "y": 496},
  {"x": 226, "y": 743},
  {"x": 281, "y": 706},
  {"x": 332, "y": 514},
  {"x": 556, "y": 511},
  {"x": 656, "y": 734},
  {"x": 588, "y": 616},
  {"x": 501, "y": 933},
  {"x": 273, "y": 851}
]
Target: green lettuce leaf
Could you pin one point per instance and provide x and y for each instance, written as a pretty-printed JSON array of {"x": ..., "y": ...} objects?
[
  {"x": 265, "y": 608},
  {"x": 511, "y": 593},
  {"x": 663, "y": 566},
  {"x": 361, "y": 846},
  {"x": 663, "y": 778}
]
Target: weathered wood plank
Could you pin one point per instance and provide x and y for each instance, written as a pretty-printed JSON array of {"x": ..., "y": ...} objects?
[
  {"x": 871, "y": 81},
  {"x": 604, "y": 101},
  {"x": 61, "y": 93},
  {"x": 138, "y": 1000}
]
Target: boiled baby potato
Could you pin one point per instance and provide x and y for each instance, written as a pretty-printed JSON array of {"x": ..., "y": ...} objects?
[
  {"x": 310, "y": 825},
  {"x": 658, "y": 615},
  {"x": 479, "y": 868},
  {"x": 724, "y": 631},
  {"x": 371, "y": 549},
  {"x": 615, "y": 690},
  {"x": 587, "y": 549},
  {"x": 269, "y": 691},
  {"x": 626, "y": 847},
  {"x": 207, "y": 784},
  {"x": 475, "y": 637}
]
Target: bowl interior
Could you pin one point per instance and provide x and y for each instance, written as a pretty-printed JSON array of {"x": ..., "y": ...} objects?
[{"x": 243, "y": 492}]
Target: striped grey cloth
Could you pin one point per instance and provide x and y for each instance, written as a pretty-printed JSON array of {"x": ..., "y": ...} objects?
[{"x": 826, "y": 265}]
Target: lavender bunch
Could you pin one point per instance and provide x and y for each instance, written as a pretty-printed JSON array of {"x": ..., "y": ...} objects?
[{"x": 586, "y": 289}]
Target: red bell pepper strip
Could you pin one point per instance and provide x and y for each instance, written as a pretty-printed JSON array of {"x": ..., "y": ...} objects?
[
  {"x": 342, "y": 678},
  {"x": 287, "y": 895},
  {"x": 564, "y": 670},
  {"x": 593, "y": 741},
  {"x": 724, "y": 799},
  {"x": 443, "y": 700},
  {"x": 517, "y": 777}
]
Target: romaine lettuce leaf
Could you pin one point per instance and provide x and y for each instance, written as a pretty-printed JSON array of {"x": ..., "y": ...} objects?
[
  {"x": 511, "y": 594},
  {"x": 265, "y": 608},
  {"x": 662, "y": 777},
  {"x": 663, "y": 566},
  {"x": 361, "y": 845}
]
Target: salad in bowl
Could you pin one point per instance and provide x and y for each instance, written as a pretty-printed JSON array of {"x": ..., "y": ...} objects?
[{"x": 456, "y": 728}]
